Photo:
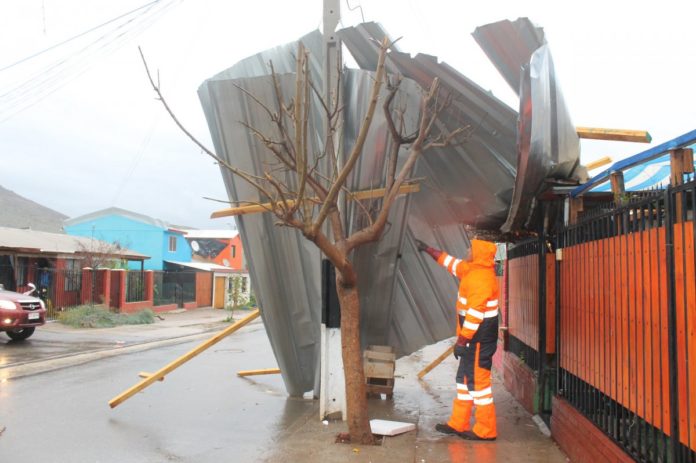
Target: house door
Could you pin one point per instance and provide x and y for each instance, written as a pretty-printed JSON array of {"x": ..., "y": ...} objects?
[{"x": 219, "y": 302}]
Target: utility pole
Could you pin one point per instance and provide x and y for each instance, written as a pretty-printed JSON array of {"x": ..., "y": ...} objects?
[{"x": 332, "y": 396}]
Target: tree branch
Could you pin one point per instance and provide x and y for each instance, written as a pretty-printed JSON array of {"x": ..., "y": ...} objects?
[
  {"x": 244, "y": 175},
  {"x": 330, "y": 201},
  {"x": 374, "y": 231}
]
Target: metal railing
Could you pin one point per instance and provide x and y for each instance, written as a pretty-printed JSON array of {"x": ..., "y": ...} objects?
[
  {"x": 523, "y": 302},
  {"x": 61, "y": 289},
  {"x": 174, "y": 288},
  {"x": 135, "y": 286},
  {"x": 58, "y": 288}
]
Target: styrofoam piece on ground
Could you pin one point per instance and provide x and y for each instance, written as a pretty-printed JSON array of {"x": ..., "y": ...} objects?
[
  {"x": 542, "y": 426},
  {"x": 390, "y": 428}
]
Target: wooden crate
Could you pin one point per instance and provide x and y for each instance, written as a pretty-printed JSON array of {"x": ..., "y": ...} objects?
[{"x": 379, "y": 363}]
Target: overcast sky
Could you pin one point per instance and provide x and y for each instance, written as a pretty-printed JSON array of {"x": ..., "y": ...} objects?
[{"x": 80, "y": 130}]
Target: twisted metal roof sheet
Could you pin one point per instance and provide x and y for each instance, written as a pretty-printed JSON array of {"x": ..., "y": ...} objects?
[
  {"x": 548, "y": 145},
  {"x": 406, "y": 300}
]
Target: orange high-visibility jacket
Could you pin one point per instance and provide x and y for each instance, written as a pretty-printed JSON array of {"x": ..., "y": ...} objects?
[{"x": 477, "y": 300}]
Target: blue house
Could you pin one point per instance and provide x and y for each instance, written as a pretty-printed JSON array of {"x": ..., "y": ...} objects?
[{"x": 146, "y": 235}]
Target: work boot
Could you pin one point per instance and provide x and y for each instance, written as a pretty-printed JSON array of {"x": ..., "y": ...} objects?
[
  {"x": 469, "y": 435},
  {"x": 446, "y": 429}
]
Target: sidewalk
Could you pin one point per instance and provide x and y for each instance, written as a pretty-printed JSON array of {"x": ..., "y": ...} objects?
[
  {"x": 304, "y": 437},
  {"x": 167, "y": 325},
  {"x": 424, "y": 402}
]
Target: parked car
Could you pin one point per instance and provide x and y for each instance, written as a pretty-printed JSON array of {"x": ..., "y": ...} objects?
[{"x": 20, "y": 314}]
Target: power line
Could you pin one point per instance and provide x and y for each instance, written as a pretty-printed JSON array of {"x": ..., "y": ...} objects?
[
  {"x": 55, "y": 75},
  {"x": 140, "y": 154},
  {"x": 52, "y": 47}
]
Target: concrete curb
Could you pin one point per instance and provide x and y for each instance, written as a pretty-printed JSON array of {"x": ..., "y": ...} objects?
[{"x": 63, "y": 361}]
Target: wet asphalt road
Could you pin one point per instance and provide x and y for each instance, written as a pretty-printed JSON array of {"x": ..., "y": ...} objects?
[
  {"x": 202, "y": 412},
  {"x": 45, "y": 344}
]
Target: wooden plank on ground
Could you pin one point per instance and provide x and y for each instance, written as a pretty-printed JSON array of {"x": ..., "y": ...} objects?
[
  {"x": 181, "y": 360},
  {"x": 266, "y": 371}
]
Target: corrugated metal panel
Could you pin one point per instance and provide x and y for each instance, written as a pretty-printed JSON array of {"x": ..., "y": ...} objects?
[
  {"x": 547, "y": 140},
  {"x": 549, "y": 146},
  {"x": 475, "y": 178},
  {"x": 509, "y": 45},
  {"x": 283, "y": 265}
]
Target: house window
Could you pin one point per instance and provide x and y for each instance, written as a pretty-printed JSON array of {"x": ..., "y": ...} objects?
[
  {"x": 234, "y": 251},
  {"x": 172, "y": 244},
  {"x": 73, "y": 275}
]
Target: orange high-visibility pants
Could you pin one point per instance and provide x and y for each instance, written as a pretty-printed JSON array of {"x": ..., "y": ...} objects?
[{"x": 474, "y": 389}]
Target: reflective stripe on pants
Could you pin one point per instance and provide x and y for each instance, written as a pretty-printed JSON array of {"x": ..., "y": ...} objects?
[{"x": 475, "y": 372}]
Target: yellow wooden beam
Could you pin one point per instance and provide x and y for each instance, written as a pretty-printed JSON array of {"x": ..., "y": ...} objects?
[
  {"x": 603, "y": 161},
  {"x": 593, "y": 133},
  {"x": 181, "y": 360},
  {"x": 267, "y": 371},
  {"x": 358, "y": 195},
  {"x": 145, "y": 374},
  {"x": 436, "y": 362}
]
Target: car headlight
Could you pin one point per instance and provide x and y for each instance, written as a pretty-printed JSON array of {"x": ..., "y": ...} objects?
[
  {"x": 8, "y": 305},
  {"x": 43, "y": 306}
]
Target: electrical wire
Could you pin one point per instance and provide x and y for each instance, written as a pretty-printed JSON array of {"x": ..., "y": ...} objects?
[
  {"x": 76, "y": 36},
  {"x": 47, "y": 74},
  {"x": 57, "y": 74},
  {"x": 358, "y": 7},
  {"x": 56, "y": 65},
  {"x": 142, "y": 149}
]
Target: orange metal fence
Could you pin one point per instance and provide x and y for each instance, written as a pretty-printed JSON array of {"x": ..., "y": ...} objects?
[
  {"x": 614, "y": 320},
  {"x": 523, "y": 301},
  {"x": 627, "y": 323}
]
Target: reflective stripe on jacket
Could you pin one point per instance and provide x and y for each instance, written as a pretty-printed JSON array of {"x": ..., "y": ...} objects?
[{"x": 477, "y": 299}]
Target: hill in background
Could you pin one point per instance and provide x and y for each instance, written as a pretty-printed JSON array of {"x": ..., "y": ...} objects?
[{"x": 19, "y": 212}]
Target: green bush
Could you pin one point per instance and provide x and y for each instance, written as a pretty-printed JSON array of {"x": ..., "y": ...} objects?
[{"x": 86, "y": 316}]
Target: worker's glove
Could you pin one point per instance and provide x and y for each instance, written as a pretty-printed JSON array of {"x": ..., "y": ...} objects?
[
  {"x": 434, "y": 253},
  {"x": 421, "y": 245},
  {"x": 460, "y": 346}
]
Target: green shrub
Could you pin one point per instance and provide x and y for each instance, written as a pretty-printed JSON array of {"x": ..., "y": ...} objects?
[{"x": 86, "y": 316}]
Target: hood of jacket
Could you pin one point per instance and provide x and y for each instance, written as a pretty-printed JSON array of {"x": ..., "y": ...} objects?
[{"x": 483, "y": 253}]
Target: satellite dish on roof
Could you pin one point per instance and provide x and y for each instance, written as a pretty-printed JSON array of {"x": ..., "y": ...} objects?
[
  {"x": 225, "y": 262},
  {"x": 195, "y": 246}
]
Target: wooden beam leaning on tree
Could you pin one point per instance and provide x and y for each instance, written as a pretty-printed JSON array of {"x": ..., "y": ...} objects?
[
  {"x": 299, "y": 196},
  {"x": 268, "y": 207}
]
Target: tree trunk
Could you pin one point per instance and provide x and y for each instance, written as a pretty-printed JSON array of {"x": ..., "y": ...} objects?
[{"x": 356, "y": 393}]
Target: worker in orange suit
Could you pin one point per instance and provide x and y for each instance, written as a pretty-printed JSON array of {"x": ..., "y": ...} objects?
[{"x": 477, "y": 339}]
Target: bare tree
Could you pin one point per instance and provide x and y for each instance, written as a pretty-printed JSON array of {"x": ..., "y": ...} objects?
[
  {"x": 100, "y": 254},
  {"x": 312, "y": 201}
]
